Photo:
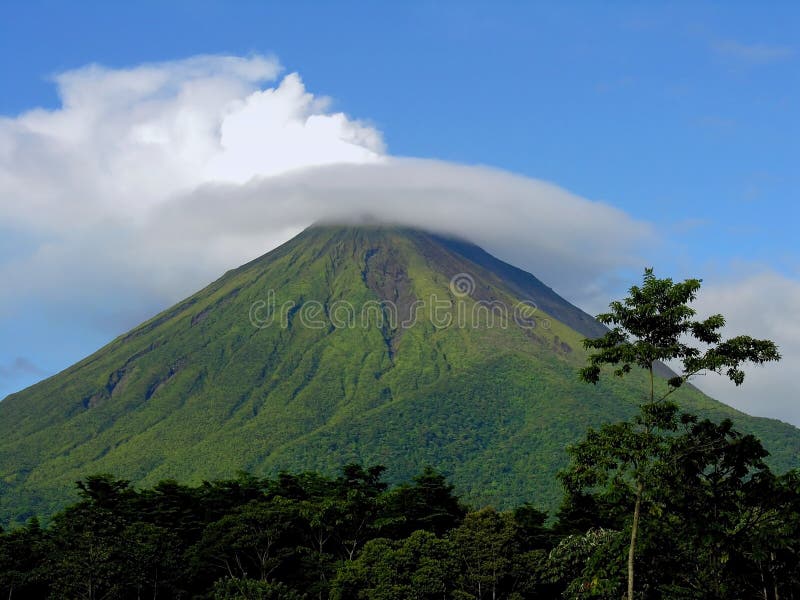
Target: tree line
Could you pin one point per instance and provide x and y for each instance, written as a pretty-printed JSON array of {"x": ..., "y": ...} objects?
[{"x": 721, "y": 526}]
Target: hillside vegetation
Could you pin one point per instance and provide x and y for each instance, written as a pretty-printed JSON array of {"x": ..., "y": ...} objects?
[{"x": 199, "y": 392}]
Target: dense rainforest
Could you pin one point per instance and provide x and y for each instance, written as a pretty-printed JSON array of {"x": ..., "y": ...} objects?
[{"x": 721, "y": 525}]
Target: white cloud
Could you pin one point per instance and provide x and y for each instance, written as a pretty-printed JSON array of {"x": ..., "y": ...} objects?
[
  {"x": 124, "y": 141},
  {"x": 19, "y": 367},
  {"x": 285, "y": 128},
  {"x": 158, "y": 177},
  {"x": 766, "y": 305},
  {"x": 567, "y": 241}
]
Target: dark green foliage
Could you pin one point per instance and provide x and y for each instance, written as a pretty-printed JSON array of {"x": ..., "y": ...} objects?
[
  {"x": 420, "y": 566},
  {"x": 249, "y": 589},
  {"x": 487, "y": 556},
  {"x": 252, "y": 541},
  {"x": 722, "y": 526},
  {"x": 590, "y": 564},
  {"x": 24, "y": 556},
  {"x": 719, "y": 524},
  {"x": 715, "y": 471},
  {"x": 485, "y": 546},
  {"x": 152, "y": 559},
  {"x": 428, "y": 503},
  {"x": 654, "y": 323},
  {"x": 90, "y": 562}
]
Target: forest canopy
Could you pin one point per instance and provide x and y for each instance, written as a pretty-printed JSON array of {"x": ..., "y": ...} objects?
[{"x": 722, "y": 526}]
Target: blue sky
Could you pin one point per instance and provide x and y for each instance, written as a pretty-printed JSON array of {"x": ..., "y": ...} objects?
[{"x": 683, "y": 116}]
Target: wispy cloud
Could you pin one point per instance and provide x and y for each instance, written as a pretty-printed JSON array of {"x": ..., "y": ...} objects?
[
  {"x": 20, "y": 367},
  {"x": 716, "y": 123},
  {"x": 752, "y": 54}
]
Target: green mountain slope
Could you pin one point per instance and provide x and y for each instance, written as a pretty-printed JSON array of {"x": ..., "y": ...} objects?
[{"x": 328, "y": 350}]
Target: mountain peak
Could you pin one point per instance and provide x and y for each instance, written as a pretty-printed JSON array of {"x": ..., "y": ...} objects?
[{"x": 450, "y": 254}]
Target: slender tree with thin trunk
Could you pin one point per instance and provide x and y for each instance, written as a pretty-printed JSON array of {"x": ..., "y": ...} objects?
[{"x": 654, "y": 325}]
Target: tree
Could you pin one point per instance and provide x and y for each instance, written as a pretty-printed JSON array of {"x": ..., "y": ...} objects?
[
  {"x": 87, "y": 557},
  {"x": 337, "y": 516},
  {"x": 151, "y": 559},
  {"x": 486, "y": 543},
  {"x": 23, "y": 551},
  {"x": 173, "y": 506},
  {"x": 428, "y": 504},
  {"x": 358, "y": 499},
  {"x": 105, "y": 491},
  {"x": 724, "y": 515},
  {"x": 252, "y": 542},
  {"x": 421, "y": 566},
  {"x": 653, "y": 325}
]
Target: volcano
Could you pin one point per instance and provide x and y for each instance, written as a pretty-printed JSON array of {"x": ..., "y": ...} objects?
[{"x": 370, "y": 344}]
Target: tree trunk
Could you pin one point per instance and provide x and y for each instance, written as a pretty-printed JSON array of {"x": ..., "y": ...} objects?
[
  {"x": 772, "y": 573},
  {"x": 634, "y": 531}
]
